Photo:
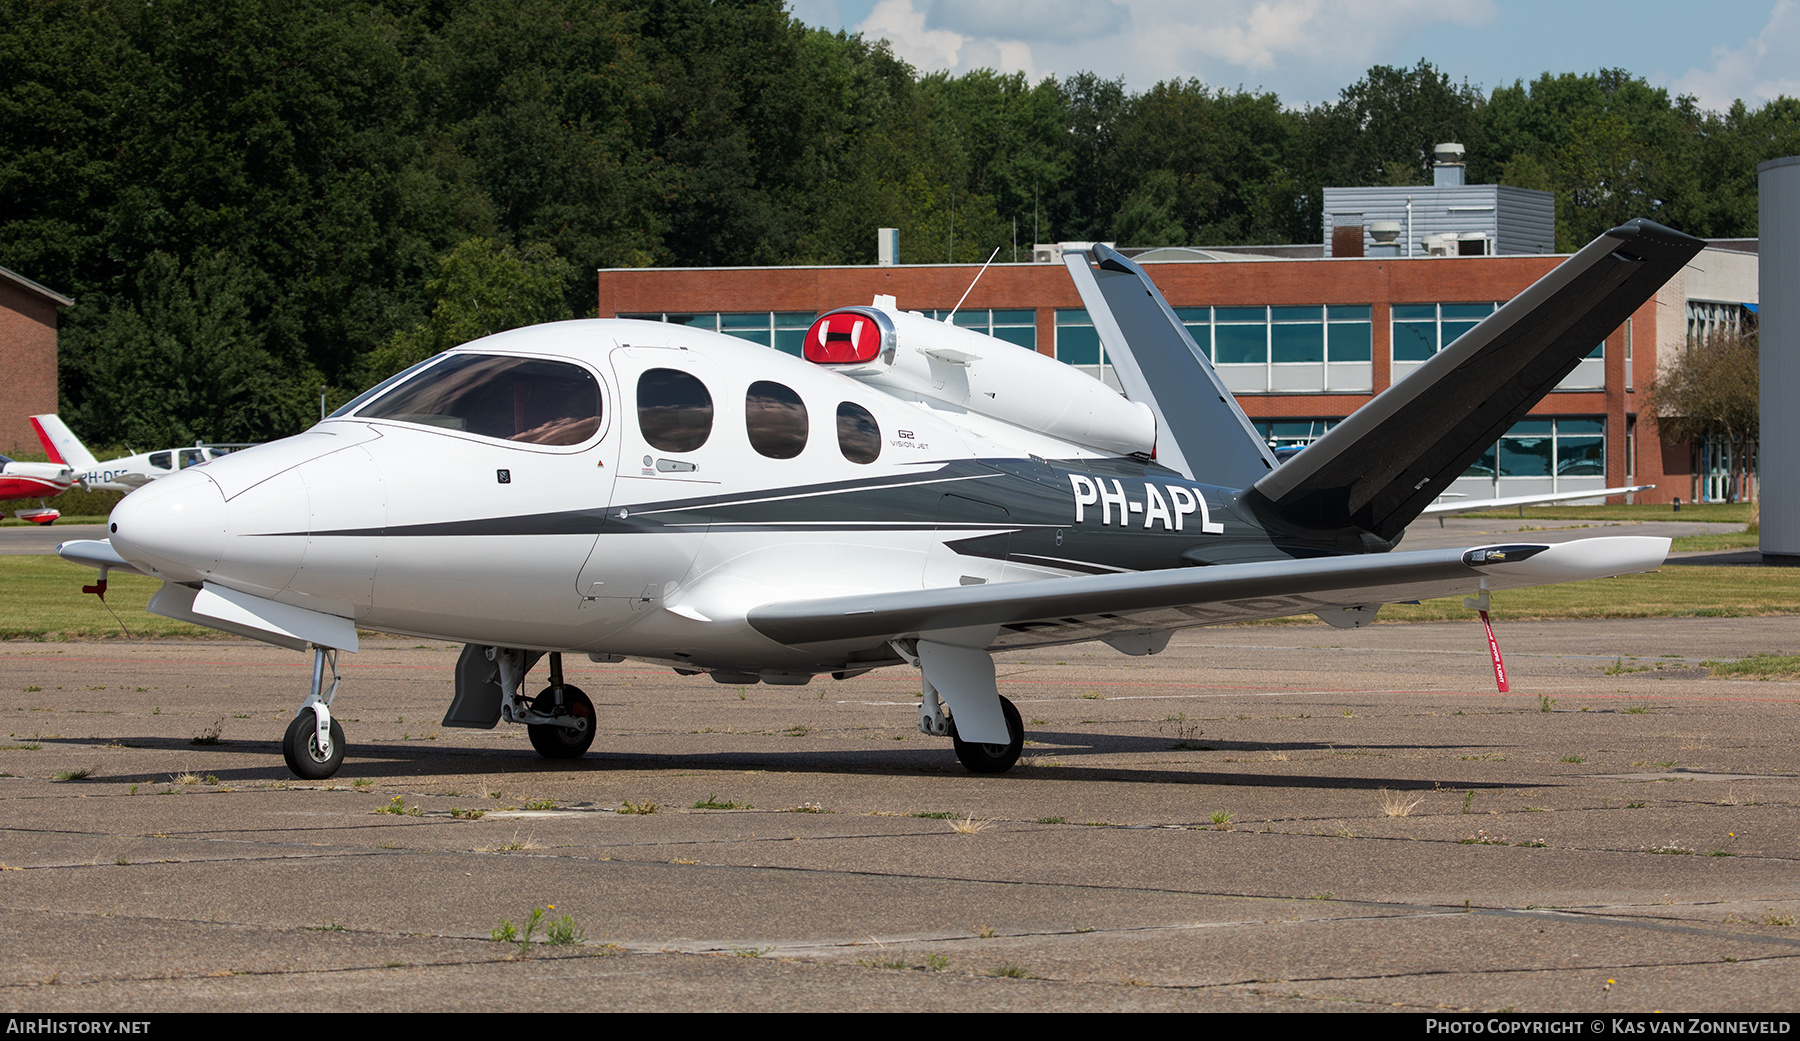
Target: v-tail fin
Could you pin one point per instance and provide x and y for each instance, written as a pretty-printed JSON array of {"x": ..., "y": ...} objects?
[
  {"x": 1201, "y": 431},
  {"x": 1379, "y": 468}
]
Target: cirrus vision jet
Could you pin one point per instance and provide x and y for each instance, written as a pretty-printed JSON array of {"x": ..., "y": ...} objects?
[{"x": 910, "y": 493}]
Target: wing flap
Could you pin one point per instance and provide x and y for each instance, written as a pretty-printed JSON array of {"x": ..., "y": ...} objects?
[{"x": 1092, "y": 606}]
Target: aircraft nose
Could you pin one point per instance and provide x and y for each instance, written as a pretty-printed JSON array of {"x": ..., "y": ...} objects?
[{"x": 174, "y": 526}]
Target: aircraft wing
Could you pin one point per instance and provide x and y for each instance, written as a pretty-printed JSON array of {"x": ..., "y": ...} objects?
[
  {"x": 1059, "y": 610},
  {"x": 96, "y": 553},
  {"x": 1466, "y": 505}
]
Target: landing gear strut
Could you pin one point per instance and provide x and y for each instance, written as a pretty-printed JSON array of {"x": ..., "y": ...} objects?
[
  {"x": 959, "y": 684},
  {"x": 573, "y": 730},
  {"x": 314, "y": 743}
]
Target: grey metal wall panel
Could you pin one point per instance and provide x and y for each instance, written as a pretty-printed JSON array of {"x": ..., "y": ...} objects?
[
  {"x": 1778, "y": 220},
  {"x": 1515, "y": 220}
]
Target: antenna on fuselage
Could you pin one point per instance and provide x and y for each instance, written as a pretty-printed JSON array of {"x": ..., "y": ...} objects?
[{"x": 971, "y": 288}]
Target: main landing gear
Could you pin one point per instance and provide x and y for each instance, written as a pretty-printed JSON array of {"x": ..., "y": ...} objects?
[
  {"x": 959, "y": 684},
  {"x": 314, "y": 743},
  {"x": 992, "y": 759},
  {"x": 571, "y": 729}
]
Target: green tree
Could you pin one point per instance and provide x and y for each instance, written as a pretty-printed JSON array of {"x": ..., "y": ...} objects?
[
  {"x": 186, "y": 362},
  {"x": 483, "y": 287},
  {"x": 1710, "y": 391}
]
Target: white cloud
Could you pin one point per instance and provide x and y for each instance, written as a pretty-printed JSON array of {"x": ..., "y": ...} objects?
[
  {"x": 1224, "y": 42},
  {"x": 1766, "y": 66},
  {"x": 1061, "y": 20},
  {"x": 930, "y": 50}
]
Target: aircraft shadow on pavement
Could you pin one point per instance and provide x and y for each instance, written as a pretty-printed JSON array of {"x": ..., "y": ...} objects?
[{"x": 399, "y": 760}]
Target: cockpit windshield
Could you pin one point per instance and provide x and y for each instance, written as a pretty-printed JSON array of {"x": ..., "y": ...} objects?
[{"x": 529, "y": 400}]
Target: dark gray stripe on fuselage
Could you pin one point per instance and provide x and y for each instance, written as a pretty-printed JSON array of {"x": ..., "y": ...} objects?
[{"x": 1027, "y": 507}]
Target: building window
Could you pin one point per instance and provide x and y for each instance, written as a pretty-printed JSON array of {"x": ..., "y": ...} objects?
[
  {"x": 1292, "y": 433},
  {"x": 1540, "y": 456},
  {"x": 1421, "y": 330},
  {"x": 1079, "y": 345},
  {"x": 1286, "y": 349},
  {"x": 783, "y": 330},
  {"x": 1705, "y": 318}
]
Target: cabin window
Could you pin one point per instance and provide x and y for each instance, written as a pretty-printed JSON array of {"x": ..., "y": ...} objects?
[
  {"x": 859, "y": 437},
  {"x": 675, "y": 411},
  {"x": 775, "y": 419},
  {"x": 162, "y": 460},
  {"x": 528, "y": 400}
]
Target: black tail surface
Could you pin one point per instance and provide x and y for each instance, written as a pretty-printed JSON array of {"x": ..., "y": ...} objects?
[{"x": 1384, "y": 464}]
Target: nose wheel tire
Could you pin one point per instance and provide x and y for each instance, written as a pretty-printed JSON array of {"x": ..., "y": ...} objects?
[
  {"x": 301, "y": 747},
  {"x": 992, "y": 759},
  {"x": 556, "y": 742}
]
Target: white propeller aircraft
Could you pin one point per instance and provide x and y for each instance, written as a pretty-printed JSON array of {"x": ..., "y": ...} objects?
[
  {"x": 126, "y": 473},
  {"x": 908, "y": 493}
]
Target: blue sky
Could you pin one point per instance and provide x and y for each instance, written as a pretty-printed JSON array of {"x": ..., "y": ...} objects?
[{"x": 1307, "y": 50}]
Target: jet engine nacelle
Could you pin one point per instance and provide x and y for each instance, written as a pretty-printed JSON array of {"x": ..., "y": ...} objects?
[{"x": 912, "y": 356}]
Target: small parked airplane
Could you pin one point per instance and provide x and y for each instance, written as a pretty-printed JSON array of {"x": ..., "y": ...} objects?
[
  {"x": 126, "y": 473},
  {"x": 37, "y": 481},
  {"x": 910, "y": 492}
]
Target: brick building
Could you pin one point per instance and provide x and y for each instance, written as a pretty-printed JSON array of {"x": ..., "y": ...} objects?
[
  {"x": 1301, "y": 341},
  {"x": 27, "y": 357}
]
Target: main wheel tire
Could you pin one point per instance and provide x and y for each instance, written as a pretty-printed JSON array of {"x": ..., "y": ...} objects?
[
  {"x": 555, "y": 742},
  {"x": 301, "y": 748},
  {"x": 992, "y": 759}
]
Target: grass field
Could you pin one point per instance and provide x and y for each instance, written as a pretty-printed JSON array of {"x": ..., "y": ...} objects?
[{"x": 41, "y": 599}]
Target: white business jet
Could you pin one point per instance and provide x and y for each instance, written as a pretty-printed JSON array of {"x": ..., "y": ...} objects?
[{"x": 909, "y": 493}]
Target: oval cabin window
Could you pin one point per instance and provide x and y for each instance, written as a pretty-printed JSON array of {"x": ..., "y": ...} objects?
[
  {"x": 675, "y": 411},
  {"x": 775, "y": 420},
  {"x": 859, "y": 438}
]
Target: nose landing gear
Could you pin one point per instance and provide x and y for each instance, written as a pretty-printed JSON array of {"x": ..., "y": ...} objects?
[{"x": 314, "y": 742}]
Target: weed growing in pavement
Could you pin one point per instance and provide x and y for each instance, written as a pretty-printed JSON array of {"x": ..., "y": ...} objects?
[
  {"x": 563, "y": 932},
  {"x": 969, "y": 825},
  {"x": 713, "y": 802},
  {"x": 638, "y": 807},
  {"x": 1396, "y": 805}
]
